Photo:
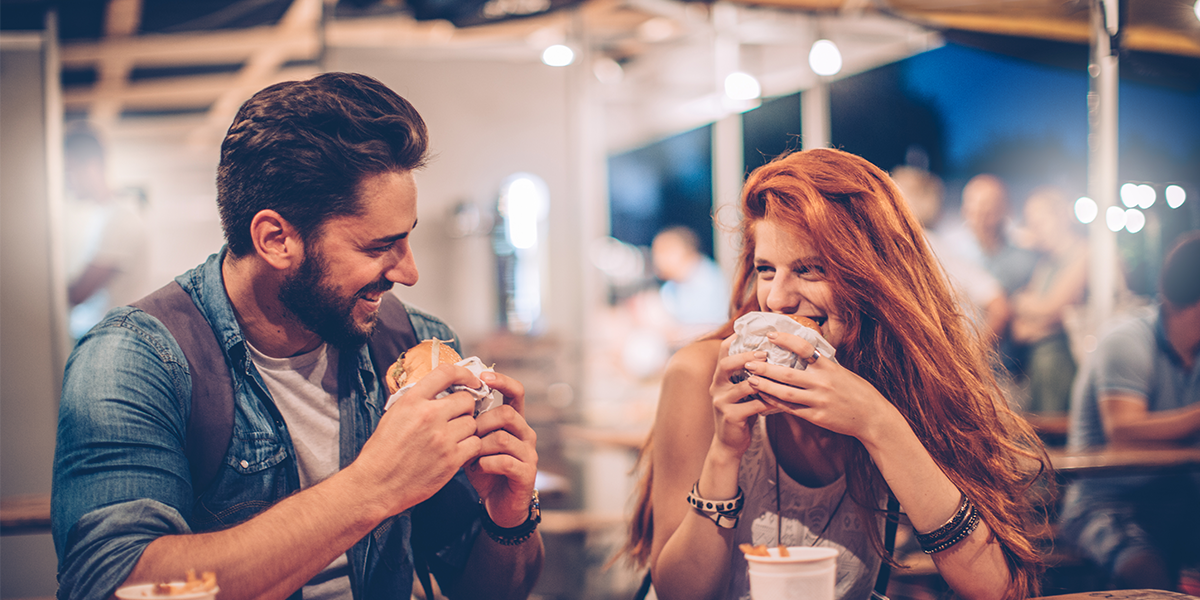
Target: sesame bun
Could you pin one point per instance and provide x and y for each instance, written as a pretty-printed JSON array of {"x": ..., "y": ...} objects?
[
  {"x": 807, "y": 322},
  {"x": 418, "y": 361}
]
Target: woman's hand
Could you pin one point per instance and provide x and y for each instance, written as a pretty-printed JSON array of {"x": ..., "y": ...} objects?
[
  {"x": 824, "y": 394},
  {"x": 734, "y": 405}
]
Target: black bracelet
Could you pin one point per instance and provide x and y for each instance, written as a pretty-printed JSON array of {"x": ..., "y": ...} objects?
[
  {"x": 513, "y": 536},
  {"x": 960, "y": 514},
  {"x": 962, "y": 524},
  {"x": 972, "y": 522},
  {"x": 722, "y": 512}
]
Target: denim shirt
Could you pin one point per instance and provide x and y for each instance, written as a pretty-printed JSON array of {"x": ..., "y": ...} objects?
[{"x": 122, "y": 479}]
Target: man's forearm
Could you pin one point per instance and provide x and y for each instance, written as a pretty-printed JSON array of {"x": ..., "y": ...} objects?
[
  {"x": 1165, "y": 426},
  {"x": 500, "y": 572},
  {"x": 271, "y": 555}
]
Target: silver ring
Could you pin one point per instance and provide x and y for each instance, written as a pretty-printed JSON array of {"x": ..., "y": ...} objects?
[{"x": 812, "y": 359}]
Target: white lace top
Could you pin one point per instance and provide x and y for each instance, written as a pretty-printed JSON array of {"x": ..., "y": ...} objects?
[{"x": 805, "y": 513}]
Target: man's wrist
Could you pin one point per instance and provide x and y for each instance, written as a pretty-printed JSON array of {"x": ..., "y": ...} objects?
[{"x": 513, "y": 536}]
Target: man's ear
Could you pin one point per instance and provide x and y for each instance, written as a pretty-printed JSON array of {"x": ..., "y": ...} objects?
[{"x": 276, "y": 240}]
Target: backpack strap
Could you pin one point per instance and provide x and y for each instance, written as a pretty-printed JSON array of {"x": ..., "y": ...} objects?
[
  {"x": 211, "y": 423},
  {"x": 393, "y": 335},
  {"x": 889, "y": 544}
]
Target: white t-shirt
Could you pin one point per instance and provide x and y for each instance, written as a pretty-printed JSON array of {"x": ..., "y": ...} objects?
[
  {"x": 305, "y": 391},
  {"x": 806, "y": 511}
]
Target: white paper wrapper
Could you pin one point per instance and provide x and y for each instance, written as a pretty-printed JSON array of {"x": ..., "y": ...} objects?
[
  {"x": 484, "y": 398},
  {"x": 751, "y": 331}
]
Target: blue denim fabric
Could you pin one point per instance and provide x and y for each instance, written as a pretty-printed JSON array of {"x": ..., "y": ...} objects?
[{"x": 121, "y": 477}]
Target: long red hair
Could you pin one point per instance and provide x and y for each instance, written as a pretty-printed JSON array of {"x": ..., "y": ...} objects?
[{"x": 906, "y": 334}]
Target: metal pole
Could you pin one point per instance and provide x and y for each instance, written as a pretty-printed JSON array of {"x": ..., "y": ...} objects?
[{"x": 1102, "y": 157}]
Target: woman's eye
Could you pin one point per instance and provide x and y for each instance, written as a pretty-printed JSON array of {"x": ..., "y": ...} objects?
[
  {"x": 810, "y": 271},
  {"x": 764, "y": 272}
]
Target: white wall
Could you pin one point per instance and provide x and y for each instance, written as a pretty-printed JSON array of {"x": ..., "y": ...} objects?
[
  {"x": 30, "y": 373},
  {"x": 487, "y": 120}
]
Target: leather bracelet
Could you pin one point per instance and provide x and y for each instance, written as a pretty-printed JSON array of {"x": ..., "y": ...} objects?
[
  {"x": 937, "y": 535},
  {"x": 969, "y": 527},
  {"x": 722, "y": 512},
  {"x": 513, "y": 536}
]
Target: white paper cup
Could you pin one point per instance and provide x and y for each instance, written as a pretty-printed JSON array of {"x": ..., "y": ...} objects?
[
  {"x": 146, "y": 590},
  {"x": 805, "y": 574}
]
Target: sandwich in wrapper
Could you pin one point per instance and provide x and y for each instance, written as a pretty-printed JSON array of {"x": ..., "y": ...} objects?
[
  {"x": 750, "y": 334},
  {"x": 423, "y": 358}
]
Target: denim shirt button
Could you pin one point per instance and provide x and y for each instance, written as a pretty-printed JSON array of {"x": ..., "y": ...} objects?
[{"x": 245, "y": 464}]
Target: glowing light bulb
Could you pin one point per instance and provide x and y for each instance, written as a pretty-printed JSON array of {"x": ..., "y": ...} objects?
[
  {"x": 1146, "y": 196},
  {"x": 1129, "y": 195},
  {"x": 742, "y": 86},
  {"x": 1135, "y": 220},
  {"x": 558, "y": 55},
  {"x": 1086, "y": 210},
  {"x": 825, "y": 58},
  {"x": 1175, "y": 194},
  {"x": 1115, "y": 218}
]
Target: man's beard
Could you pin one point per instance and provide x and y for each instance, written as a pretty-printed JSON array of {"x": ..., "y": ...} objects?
[{"x": 319, "y": 308}]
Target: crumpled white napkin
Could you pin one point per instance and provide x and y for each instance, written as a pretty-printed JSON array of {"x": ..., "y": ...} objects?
[
  {"x": 751, "y": 331},
  {"x": 485, "y": 400}
]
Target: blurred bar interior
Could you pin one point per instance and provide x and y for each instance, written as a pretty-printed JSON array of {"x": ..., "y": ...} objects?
[{"x": 566, "y": 134}]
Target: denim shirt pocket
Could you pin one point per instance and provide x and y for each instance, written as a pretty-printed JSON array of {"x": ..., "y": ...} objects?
[{"x": 254, "y": 477}]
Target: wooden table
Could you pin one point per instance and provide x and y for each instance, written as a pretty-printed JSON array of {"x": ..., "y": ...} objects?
[
  {"x": 1122, "y": 595},
  {"x": 25, "y": 514},
  {"x": 1124, "y": 461}
]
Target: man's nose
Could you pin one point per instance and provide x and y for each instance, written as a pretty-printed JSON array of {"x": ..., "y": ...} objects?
[{"x": 404, "y": 270}]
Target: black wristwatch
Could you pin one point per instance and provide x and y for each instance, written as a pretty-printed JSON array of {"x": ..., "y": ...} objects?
[{"x": 513, "y": 536}]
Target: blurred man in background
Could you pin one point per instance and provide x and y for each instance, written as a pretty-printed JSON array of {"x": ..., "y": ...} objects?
[
  {"x": 105, "y": 241},
  {"x": 1140, "y": 387}
]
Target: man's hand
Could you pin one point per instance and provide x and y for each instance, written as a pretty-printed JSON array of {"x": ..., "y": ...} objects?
[
  {"x": 506, "y": 465},
  {"x": 420, "y": 443}
]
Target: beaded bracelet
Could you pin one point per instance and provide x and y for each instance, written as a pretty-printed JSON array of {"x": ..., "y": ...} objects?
[
  {"x": 962, "y": 524},
  {"x": 722, "y": 512},
  {"x": 971, "y": 523},
  {"x": 960, "y": 514}
]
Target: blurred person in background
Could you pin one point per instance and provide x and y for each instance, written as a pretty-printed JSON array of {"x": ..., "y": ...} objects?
[
  {"x": 105, "y": 238},
  {"x": 1058, "y": 283},
  {"x": 984, "y": 298},
  {"x": 808, "y": 457},
  {"x": 1141, "y": 386},
  {"x": 985, "y": 212},
  {"x": 695, "y": 293}
]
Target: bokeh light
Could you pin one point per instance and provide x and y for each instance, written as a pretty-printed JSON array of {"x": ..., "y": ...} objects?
[
  {"x": 742, "y": 86},
  {"x": 1175, "y": 194},
  {"x": 825, "y": 58},
  {"x": 558, "y": 55},
  {"x": 1146, "y": 196},
  {"x": 1129, "y": 195},
  {"x": 1135, "y": 220},
  {"x": 1115, "y": 218},
  {"x": 1086, "y": 210}
]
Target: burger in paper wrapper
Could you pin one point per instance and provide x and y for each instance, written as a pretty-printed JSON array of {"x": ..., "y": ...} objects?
[
  {"x": 422, "y": 359},
  {"x": 750, "y": 334}
]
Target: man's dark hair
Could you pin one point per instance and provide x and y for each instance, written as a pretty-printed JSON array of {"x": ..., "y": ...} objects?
[
  {"x": 1180, "y": 284},
  {"x": 301, "y": 148}
]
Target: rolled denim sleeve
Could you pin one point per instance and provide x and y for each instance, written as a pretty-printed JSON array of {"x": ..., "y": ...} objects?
[
  {"x": 121, "y": 475},
  {"x": 106, "y": 544}
]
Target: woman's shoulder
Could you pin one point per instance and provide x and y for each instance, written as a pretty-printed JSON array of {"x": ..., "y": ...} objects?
[{"x": 698, "y": 358}]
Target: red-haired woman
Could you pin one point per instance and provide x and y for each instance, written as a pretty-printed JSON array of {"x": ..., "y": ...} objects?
[{"x": 910, "y": 406}]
